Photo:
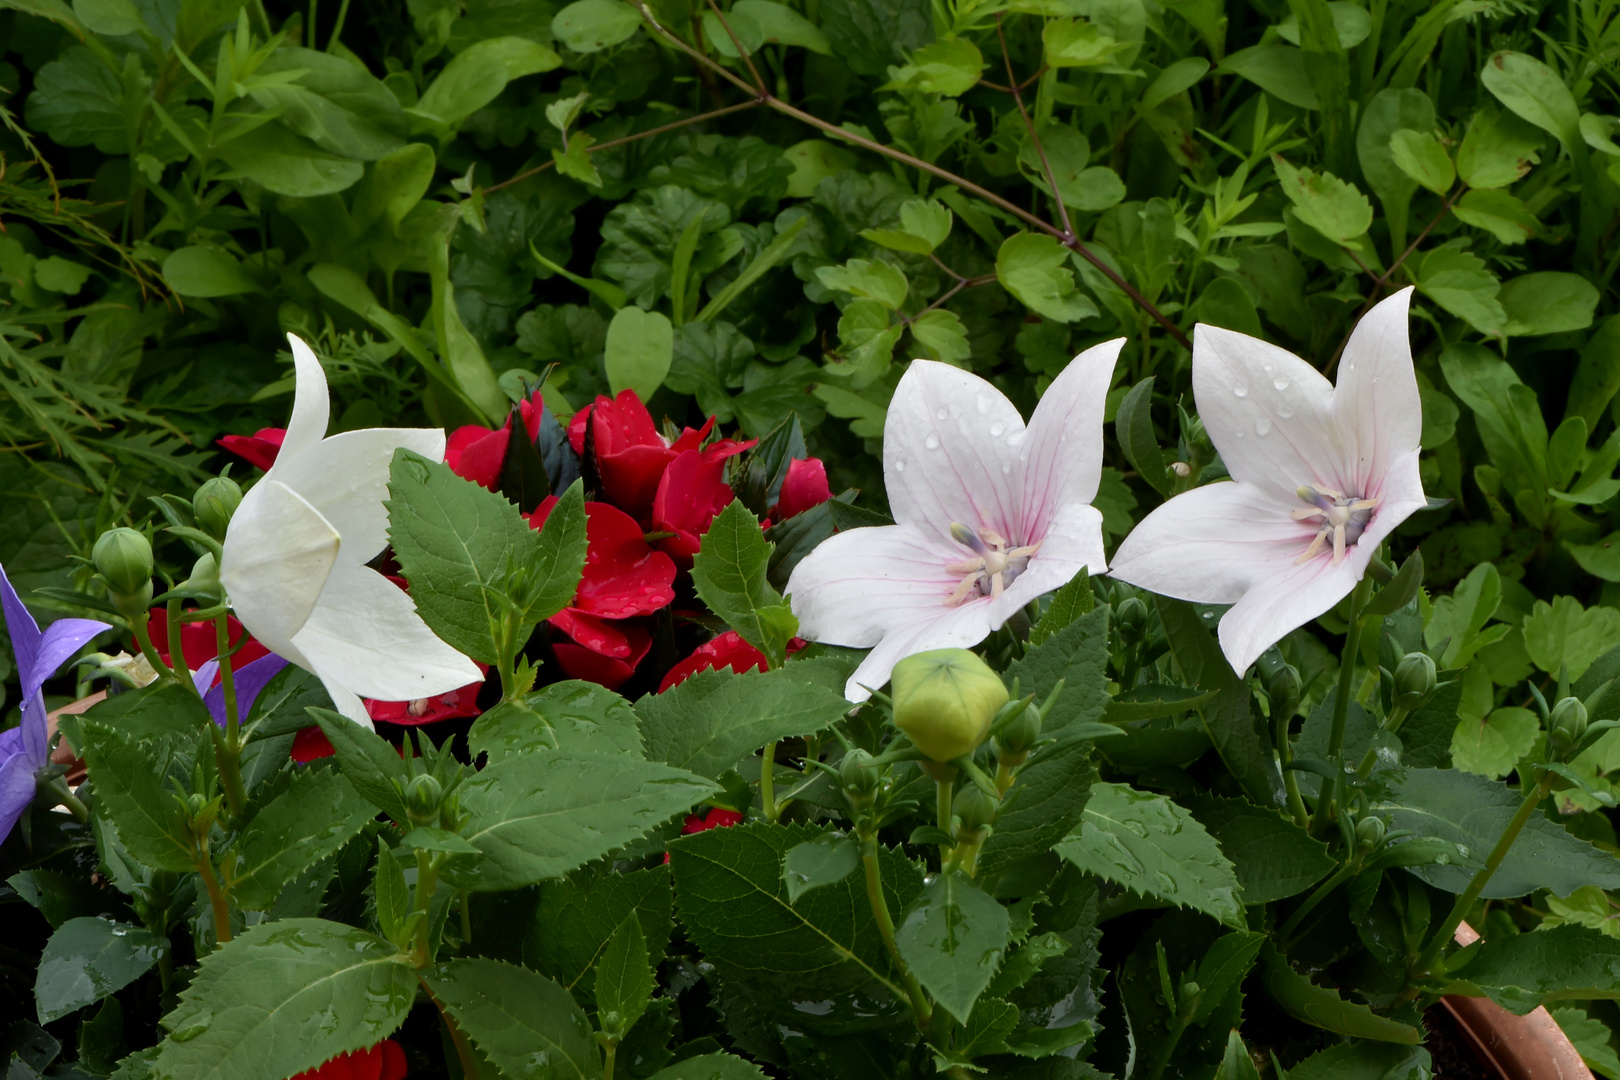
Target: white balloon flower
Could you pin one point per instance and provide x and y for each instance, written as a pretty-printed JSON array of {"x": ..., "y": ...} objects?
[
  {"x": 1320, "y": 476},
  {"x": 295, "y": 559},
  {"x": 988, "y": 515}
]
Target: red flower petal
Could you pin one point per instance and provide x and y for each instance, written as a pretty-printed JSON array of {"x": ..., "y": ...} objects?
[
  {"x": 476, "y": 453},
  {"x": 576, "y": 428},
  {"x": 259, "y": 449},
  {"x": 728, "y": 650},
  {"x": 718, "y": 817},
  {"x": 446, "y": 706},
  {"x": 623, "y": 576},
  {"x": 580, "y": 661},
  {"x": 311, "y": 744},
  {"x": 198, "y": 641},
  {"x": 804, "y": 487},
  {"x": 394, "y": 1066},
  {"x": 385, "y": 1061}
]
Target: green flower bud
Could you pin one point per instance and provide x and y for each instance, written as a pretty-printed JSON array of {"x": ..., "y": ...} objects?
[
  {"x": 124, "y": 558},
  {"x": 1568, "y": 723},
  {"x": 214, "y": 504},
  {"x": 1020, "y": 734},
  {"x": 422, "y": 796},
  {"x": 1414, "y": 680},
  {"x": 860, "y": 776},
  {"x": 945, "y": 700},
  {"x": 1284, "y": 690},
  {"x": 205, "y": 575},
  {"x": 1369, "y": 833},
  {"x": 1131, "y": 618},
  {"x": 976, "y": 808}
]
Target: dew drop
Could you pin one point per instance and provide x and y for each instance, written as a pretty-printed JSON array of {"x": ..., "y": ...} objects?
[
  {"x": 1240, "y": 391},
  {"x": 1240, "y": 434},
  {"x": 1006, "y": 467},
  {"x": 943, "y": 413},
  {"x": 1016, "y": 438},
  {"x": 899, "y": 464},
  {"x": 1281, "y": 382},
  {"x": 1262, "y": 426},
  {"x": 1284, "y": 412},
  {"x": 932, "y": 442},
  {"x": 982, "y": 403},
  {"x": 996, "y": 429}
]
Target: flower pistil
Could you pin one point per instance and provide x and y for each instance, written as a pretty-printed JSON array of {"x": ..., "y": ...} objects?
[
  {"x": 993, "y": 566},
  {"x": 1344, "y": 518}
]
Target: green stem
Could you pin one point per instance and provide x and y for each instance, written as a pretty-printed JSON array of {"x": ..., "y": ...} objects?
[
  {"x": 464, "y": 1050},
  {"x": 1347, "y": 870},
  {"x": 466, "y": 919},
  {"x": 1167, "y": 1047},
  {"x": 921, "y": 1011},
  {"x": 1285, "y": 756},
  {"x": 611, "y": 1050},
  {"x": 228, "y": 747},
  {"x": 767, "y": 782},
  {"x": 943, "y": 791},
  {"x": 1325, "y": 809},
  {"x": 216, "y": 897},
  {"x": 143, "y": 640},
  {"x": 427, "y": 881},
  {"x": 1397, "y": 717},
  {"x": 59, "y": 790},
  {"x": 177, "y": 655},
  {"x": 1466, "y": 898}
]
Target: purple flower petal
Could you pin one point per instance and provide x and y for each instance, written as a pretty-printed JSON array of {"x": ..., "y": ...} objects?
[
  {"x": 61, "y": 640},
  {"x": 16, "y": 791},
  {"x": 250, "y": 680}
]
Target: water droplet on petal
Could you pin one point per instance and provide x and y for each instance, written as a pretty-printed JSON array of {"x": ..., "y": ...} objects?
[
  {"x": 932, "y": 442},
  {"x": 1262, "y": 426},
  {"x": 943, "y": 413},
  {"x": 1016, "y": 437},
  {"x": 1281, "y": 382},
  {"x": 899, "y": 464},
  {"x": 996, "y": 429},
  {"x": 1240, "y": 391},
  {"x": 982, "y": 403},
  {"x": 1006, "y": 467},
  {"x": 1284, "y": 413}
]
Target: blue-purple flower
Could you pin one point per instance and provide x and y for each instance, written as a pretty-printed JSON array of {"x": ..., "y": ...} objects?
[{"x": 23, "y": 749}]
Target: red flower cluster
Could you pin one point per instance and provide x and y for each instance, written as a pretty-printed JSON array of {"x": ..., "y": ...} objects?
[
  {"x": 198, "y": 642},
  {"x": 728, "y": 650},
  {"x": 385, "y": 1061},
  {"x": 658, "y": 498}
]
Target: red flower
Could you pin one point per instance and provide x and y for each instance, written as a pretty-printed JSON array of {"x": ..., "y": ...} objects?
[
  {"x": 429, "y": 710},
  {"x": 691, "y": 492},
  {"x": 198, "y": 641},
  {"x": 385, "y": 1061},
  {"x": 630, "y": 454},
  {"x": 623, "y": 578},
  {"x": 476, "y": 453},
  {"x": 804, "y": 487},
  {"x": 726, "y": 651},
  {"x": 717, "y": 818},
  {"x": 311, "y": 744},
  {"x": 259, "y": 449}
]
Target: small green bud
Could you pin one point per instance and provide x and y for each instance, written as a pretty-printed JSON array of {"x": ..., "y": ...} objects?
[
  {"x": 1020, "y": 734},
  {"x": 1568, "y": 723},
  {"x": 214, "y": 504},
  {"x": 860, "y": 776},
  {"x": 945, "y": 700},
  {"x": 976, "y": 808},
  {"x": 195, "y": 804},
  {"x": 1369, "y": 833},
  {"x": 124, "y": 557},
  {"x": 1284, "y": 690},
  {"x": 1131, "y": 618},
  {"x": 205, "y": 574},
  {"x": 422, "y": 800},
  {"x": 1414, "y": 680}
]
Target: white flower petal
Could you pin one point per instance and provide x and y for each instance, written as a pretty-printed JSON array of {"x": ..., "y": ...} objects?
[
  {"x": 1376, "y": 402},
  {"x": 279, "y": 551},
  {"x": 365, "y": 635},
  {"x": 1283, "y": 602},
  {"x": 1072, "y": 543},
  {"x": 1062, "y": 451},
  {"x": 1400, "y": 493},
  {"x": 311, "y": 406},
  {"x": 1212, "y": 544},
  {"x": 959, "y": 628},
  {"x": 346, "y": 479},
  {"x": 1269, "y": 413},
  {"x": 856, "y": 585},
  {"x": 347, "y": 702},
  {"x": 950, "y": 451}
]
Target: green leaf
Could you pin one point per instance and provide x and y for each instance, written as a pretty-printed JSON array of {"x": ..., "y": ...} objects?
[
  {"x": 1387, "y": 113},
  {"x": 952, "y": 938},
  {"x": 950, "y": 66},
  {"x": 867, "y": 341},
  {"x": 393, "y": 899},
  {"x": 1471, "y": 812},
  {"x": 1033, "y": 267},
  {"x": 1322, "y": 1007},
  {"x": 824, "y": 860},
  {"x": 1535, "y": 92},
  {"x": 1497, "y": 150},
  {"x": 77, "y": 100},
  {"x": 1272, "y": 856},
  {"x": 317, "y": 814},
  {"x": 246, "y": 1014},
  {"x": 942, "y": 335},
  {"x": 539, "y": 815},
  {"x": 715, "y": 718},
  {"x": 1151, "y": 846},
  {"x": 1493, "y": 745},
  {"x": 1078, "y": 43},
  {"x": 457, "y": 543},
  {"x": 1498, "y": 213},
  {"x": 624, "y": 978},
  {"x": 1067, "y": 604},
  {"x": 1363, "y": 1060},
  {"x": 579, "y": 913},
  {"x": 87, "y": 959},
  {"x": 526, "y": 1025},
  {"x": 870, "y": 279},
  {"x": 729, "y": 573},
  {"x": 1522, "y": 971},
  {"x": 640, "y": 348},
  {"x": 773, "y": 253},
  {"x": 1421, "y": 156},
  {"x": 477, "y": 75},
  {"x": 569, "y": 715},
  {"x": 710, "y": 1067},
  {"x": 924, "y": 225},
  {"x": 1597, "y": 379},
  {"x": 1043, "y": 806},
  {"x": 132, "y": 789},
  {"x": 1336, "y": 209},
  {"x": 203, "y": 270},
  {"x": 734, "y": 907},
  {"x": 337, "y": 105},
  {"x": 1277, "y": 69},
  {"x": 1133, "y": 424},
  {"x": 784, "y": 26},
  {"x": 1078, "y": 654},
  {"x": 588, "y": 26},
  {"x": 1600, "y": 559},
  {"x": 1459, "y": 283},
  {"x": 368, "y": 762},
  {"x": 1547, "y": 302},
  {"x": 1237, "y": 1064},
  {"x": 1563, "y": 633},
  {"x": 286, "y": 164},
  {"x": 1590, "y": 1037}
]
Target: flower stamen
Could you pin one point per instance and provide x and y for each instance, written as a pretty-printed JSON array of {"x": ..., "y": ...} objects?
[
  {"x": 993, "y": 567},
  {"x": 1344, "y": 518}
]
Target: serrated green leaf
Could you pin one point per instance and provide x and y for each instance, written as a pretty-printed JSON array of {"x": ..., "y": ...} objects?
[
  {"x": 1522, "y": 971},
  {"x": 570, "y": 715},
  {"x": 1272, "y": 857},
  {"x": 1133, "y": 424},
  {"x": 1422, "y": 157},
  {"x": 1034, "y": 269},
  {"x": 715, "y": 718},
  {"x": 87, "y": 959},
  {"x": 1492, "y": 746},
  {"x": 368, "y": 762},
  {"x": 1043, "y": 805},
  {"x": 870, "y": 279},
  {"x": 824, "y": 860},
  {"x": 317, "y": 814},
  {"x": 132, "y": 790},
  {"x": 1067, "y": 604},
  {"x": 730, "y": 575},
  {"x": 526, "y": 1025},
  {"x": 1333, "y": 207},
  {"x": 952, "y": 938},
  {"x": 624, "y": 978},
  {"x": 1151, "y": 846}
]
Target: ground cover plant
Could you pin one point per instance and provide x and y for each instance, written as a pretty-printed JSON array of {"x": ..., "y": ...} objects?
[{"x": 853, "y": 538}]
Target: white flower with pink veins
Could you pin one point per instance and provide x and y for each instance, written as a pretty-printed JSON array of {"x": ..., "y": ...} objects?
[
  {"x": 989, "y": 514},
  {"x": 1320, "y": 476}
]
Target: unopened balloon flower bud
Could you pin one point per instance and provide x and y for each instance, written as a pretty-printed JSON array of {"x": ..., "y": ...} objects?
[
  {"x": 1284, "y": 690},
  {"x": 976, "y": 808},
  {"x": 1414, "y": 680},
  {"x": 214, "y": 504},
  {"x": 205, "y": 574},
  {"x": 124, "y": 557},
  {"x": 860, "y": 776},
  {"x": 1369, "y": 833},
  {"x": 1020, "y": 734},
  {"x": 1568, "y": 723},
  {"x": 945, "y": 700},
  {"x": 422, "y": 796},
  {"x": 1132, "y": 618}
]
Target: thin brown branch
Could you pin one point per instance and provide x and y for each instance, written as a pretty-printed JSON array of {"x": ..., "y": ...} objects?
[
  {"x": 759, "y": 83},
  {"x": 1046, "y": 165},
  {"x": 961, "y": 283},
  {"x": 611, "y": 143}
]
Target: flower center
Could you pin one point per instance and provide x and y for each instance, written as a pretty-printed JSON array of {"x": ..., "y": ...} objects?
[
  {"x": 1344, "y": 518},
  {"x": 992, "y": 567}
]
